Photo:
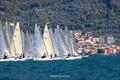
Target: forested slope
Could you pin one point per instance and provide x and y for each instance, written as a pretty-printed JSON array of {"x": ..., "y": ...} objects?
[{"x": 99, "y": 16}]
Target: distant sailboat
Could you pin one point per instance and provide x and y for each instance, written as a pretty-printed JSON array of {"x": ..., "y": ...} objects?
[
  {"x": 72, "y": 42},
  {"x": 67, "y": 39},
  {"x": 64, "y": 42},
  {"x": 3, "y": 46},
  {"x": 16, "y": 46},
  {"x": 8, "y": 36},
  {"x": 48, "y": 42},
  {"x": 60, "y": 43},
  {"x": 27, "y": 45},
  {"x": 54, "y": 43},
  {"x": 23, "y": 41},
  {"x": 38, "y": 48}
]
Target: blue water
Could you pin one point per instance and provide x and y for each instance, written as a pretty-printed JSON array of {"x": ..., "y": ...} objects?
[{"x": 91, "y": 68}]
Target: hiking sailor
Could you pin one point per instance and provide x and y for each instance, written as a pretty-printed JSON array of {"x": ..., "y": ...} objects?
[
  {"x": 5, "y": 56},
  {"x": 44, "y": 56}
]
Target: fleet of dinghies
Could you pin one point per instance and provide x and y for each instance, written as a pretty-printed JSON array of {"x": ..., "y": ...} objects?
[{"x": 16, "y": 45}]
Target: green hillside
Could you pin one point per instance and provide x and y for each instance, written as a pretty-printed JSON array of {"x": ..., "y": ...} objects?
[{"x": 99, "y": 16}]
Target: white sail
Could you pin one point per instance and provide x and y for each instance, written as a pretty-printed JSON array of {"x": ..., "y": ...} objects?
[
  {"x": 43, "y": 47},
  {"x": 38, "y": 48},
  {"x": 60, "y": 42},
  {"x": 73, "y": 52},
  {"x": 67, "y": 39},
  {"x": 70, "y": 41},
  {"x": 48, "y": 42},
  {"x": 16, "y": 46},
  {"x": 12, "y": 49},
  {"x": 3, "y": 46},
  {"x": 27, "y": 44},
  {"x": 23, "y": 41},
  {"x": 54, "y": 43},
  {"x": 8, "y": 36},
  {"x": 65, "y": 47},
  {"x": 64, "y": 42}
]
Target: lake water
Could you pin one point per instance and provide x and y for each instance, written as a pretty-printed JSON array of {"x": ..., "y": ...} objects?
[{"x": 90, "y": 68}]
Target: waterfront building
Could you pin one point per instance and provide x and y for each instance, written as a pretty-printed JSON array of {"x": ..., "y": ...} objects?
[{"x": 110, "y": 40}]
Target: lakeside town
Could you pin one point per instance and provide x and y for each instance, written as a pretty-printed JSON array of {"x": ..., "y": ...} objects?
[{"x": 89, "y": 44}]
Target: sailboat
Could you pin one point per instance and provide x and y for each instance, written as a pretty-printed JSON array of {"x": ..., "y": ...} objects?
[
  {"x": 16, "y": 45},
  {"x": 59, "y": 39},
  {"x": 55, "y": 47},
  {"x": 67, "y": 40},
  {"x": 38, "y": 48},
  {"x": 27, "y": 45},
  {"x": 3, "y": 46},
  {"x": 23, "y": 42},
  {"x": 7, "y": 36},
  {"x": 72, "y": 42},
  {"x": 48, "y": 42}
]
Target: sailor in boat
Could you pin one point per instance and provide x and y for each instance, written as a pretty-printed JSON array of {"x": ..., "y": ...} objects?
[
  {"x": 15, "y": 57},
  {"x": 18, "y": 56},
  {"x": 68, "y": 55},
  {"x": 5, "y": 56},
  {"x": 28, "y": 55},
  {"x": 44, "y": 56},
  {"x": 51, "y": 56},
  {"x": 55, "y": 55},
  {"x": 23, "y": 56}
]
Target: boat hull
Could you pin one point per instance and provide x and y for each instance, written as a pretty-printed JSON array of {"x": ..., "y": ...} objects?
[{"x": 43, "y": 59}]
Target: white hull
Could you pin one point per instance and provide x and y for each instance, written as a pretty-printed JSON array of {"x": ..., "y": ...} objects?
[
  {"x": 43, "y": 59},
  {"x": 12, "y": 59},
  {"x": 58, "y": 58},
  {"x": 72, "y": 58}
]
